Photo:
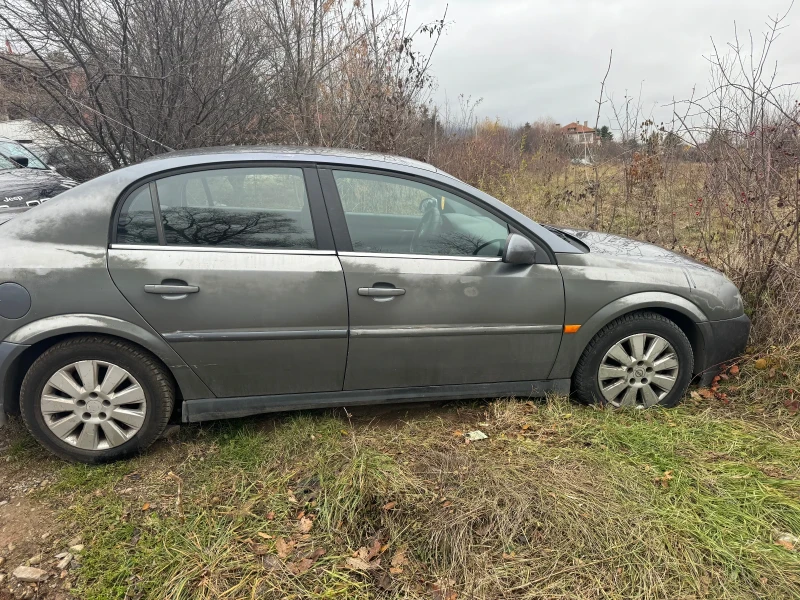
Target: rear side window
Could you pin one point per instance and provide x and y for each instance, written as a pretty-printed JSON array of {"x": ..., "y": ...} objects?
[
  {"x": 137, "y": 222},
  {"x": 251, "y": 207}
]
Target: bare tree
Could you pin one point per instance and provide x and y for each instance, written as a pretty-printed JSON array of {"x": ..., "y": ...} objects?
[
  {"x": 747, "y": 130},
  {"x": 137, "y": 77}
]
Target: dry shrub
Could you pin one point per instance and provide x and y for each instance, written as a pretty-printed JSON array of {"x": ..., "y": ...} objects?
[{"x": 721, "y": 183}]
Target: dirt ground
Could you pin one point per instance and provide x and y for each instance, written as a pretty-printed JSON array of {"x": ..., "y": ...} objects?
[{"x": 31, "y": 533}]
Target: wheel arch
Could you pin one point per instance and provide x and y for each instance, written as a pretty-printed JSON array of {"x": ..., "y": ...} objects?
[
  {"x": 29, "y": 341},
  {"x": 684, "y": 313}
]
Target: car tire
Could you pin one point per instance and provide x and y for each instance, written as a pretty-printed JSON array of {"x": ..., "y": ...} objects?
[
  {"x": 639, "y": 360},
  {"x": 116, "y": 397}
]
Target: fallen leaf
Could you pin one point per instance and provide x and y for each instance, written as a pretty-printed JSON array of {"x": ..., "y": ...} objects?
[
  {"x": 271, "y": 515},
  {"x": 787, "y": 540},
  {"x": 507, "y": 556},
  {"x": 284, "y": 547},
  {"x": 299, "y": 567},
  {"x": 290, "y": 495},
  {"x": 384, "y": 581},
  {"x": 362, "y": 565},
  {"x": 374, "y": 549},
  {"x": 734, "y": 370},
  {"x": 305, "y": 524},
  {"x": 389, "y": 505},
  {"x": 317, "y": 553},
  {"x": 458, "y": 433},
  {"x": 146, "y": 506},
  {"x": 260, "y": 549},
  {"x": 705, "y": 393},
  {"x": 271, "y": 562},
  {"x": 399, "y": 559},
  {"x": 761, "y": 364},
  {"x": 266, "y": 536},
  {"x": 664, "y": 479},
  {"x": 441, "y": 591}
]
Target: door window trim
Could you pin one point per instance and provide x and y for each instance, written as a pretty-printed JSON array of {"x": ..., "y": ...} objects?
[
  {"x": 323, "y": 233},
  {"x": 226, "y": 249},
  {"x": 341, "y": 233},
  {"x": 426, "y": 256}
]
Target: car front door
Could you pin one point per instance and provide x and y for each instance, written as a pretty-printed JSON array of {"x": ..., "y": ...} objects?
[
  {"x": 431, "y": 302},
  {"x": 235, "y": 268}
]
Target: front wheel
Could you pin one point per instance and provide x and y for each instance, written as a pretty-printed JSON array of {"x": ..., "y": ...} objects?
[
  {"x": 94, "y": 399},
  {"x": 637, "y": 361}
]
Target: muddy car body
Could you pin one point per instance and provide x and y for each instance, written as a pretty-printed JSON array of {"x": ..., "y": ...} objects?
[{"x": 230, "y": 282}]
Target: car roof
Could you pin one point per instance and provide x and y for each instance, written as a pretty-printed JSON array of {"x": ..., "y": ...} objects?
[{"x": 297, "y": 153}]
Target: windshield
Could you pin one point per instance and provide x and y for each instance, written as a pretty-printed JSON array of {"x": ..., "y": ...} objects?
[
  {"x": 12, "y": 149},
  {"x": 6, "y": 164}
]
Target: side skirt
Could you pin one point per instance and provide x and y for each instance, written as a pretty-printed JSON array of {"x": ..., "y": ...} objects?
[{"x": 207, "y": 409}]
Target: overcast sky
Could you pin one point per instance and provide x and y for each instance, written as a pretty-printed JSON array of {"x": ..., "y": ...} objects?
[{"x": 531, "y": 59}]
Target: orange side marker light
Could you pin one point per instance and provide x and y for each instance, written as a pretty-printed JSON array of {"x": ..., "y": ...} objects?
[{"x": 571, "y": 328}]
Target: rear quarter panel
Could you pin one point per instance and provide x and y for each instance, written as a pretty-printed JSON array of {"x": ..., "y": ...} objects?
[{"x": 58, "y": 252}]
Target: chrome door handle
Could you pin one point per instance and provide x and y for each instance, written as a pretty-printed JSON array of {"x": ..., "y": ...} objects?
[
  {"x": 380, "y": 292},
  {"x": 165, "y": 290}
]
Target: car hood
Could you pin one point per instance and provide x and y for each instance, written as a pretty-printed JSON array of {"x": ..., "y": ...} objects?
[
  {"x": 647, "y": 267},
  {"x": 28, "y": 187},
  {"x": 622, "y": 247}
]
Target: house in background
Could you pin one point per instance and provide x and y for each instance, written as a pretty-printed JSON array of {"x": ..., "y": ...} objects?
[{"x": 581, "y": 134}]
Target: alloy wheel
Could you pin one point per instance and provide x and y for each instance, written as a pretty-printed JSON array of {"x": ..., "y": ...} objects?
[
  {"x": 93, "y": 405},
  {"x": 638, "y": 371}
]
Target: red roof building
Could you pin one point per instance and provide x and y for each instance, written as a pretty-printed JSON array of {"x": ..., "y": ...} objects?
[{"x": 580, "y": 134}]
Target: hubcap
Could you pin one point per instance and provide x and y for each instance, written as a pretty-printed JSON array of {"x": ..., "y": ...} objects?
[
  {"x": 93, "y": 405},
  {"x": 638, "y": 371}
]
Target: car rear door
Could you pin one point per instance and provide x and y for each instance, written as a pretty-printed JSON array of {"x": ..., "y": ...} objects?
[
  {"x": 239, "y": 276},
  {"x": 436, "y": 309}
]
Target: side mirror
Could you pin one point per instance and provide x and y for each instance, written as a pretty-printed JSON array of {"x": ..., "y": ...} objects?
[
  {"x": 22, "y": 161},
  {"x": 519, "y": 250}
]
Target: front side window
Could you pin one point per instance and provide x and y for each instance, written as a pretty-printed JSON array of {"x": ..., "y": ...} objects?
[
  {"x": 249, "y": 207},
  {"x": 399, "y": 216}
]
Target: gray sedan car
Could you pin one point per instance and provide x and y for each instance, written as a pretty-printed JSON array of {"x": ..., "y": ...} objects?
[{"x": 236, "y": 281}]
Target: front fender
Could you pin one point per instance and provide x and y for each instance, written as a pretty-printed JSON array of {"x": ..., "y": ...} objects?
[{"x": 573, "y": 345}]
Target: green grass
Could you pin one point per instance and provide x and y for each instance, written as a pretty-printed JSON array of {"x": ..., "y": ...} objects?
[{"x": 560, "y": 501}]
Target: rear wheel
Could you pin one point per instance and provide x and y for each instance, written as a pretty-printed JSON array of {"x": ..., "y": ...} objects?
[
  {"x": 637, "y": 361},
  {"x": 95, "y": 399}
]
